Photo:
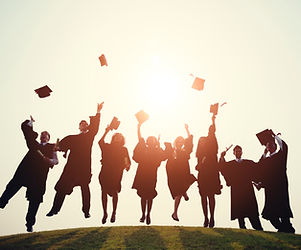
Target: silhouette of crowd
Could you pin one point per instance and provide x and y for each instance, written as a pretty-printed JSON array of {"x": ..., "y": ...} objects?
[{"x": 241, "y": 175}]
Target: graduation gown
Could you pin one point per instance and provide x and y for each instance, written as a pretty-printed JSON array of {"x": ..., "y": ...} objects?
[
  {"x": 272, "y": 174},
  {"x": 77, "y": 171},
  {"x": 239, "y": 176},
  {"x": 32, "y": 172},
  {"x": 148, "y": 160},
  {"x": 179, "y": 177},
  {"x": 114, "y": 159}
]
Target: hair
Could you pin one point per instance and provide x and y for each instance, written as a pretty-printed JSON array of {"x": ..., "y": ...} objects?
[
  {"x": 83, "y": 121},
  {"x": 46, "y": 133},
  {"x": 118, "y": 134},
  {"x": 177, "y": 139},
  {"x": 156, "y": 142},
  {"x": 237, "y": 147}
]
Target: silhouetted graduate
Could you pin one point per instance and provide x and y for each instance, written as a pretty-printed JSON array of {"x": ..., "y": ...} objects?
[
  {"x": 32, "y": 172},
  {"x": 77, "y": 171},
  {"x": 178, "y": 171},
  {"x": 115, "y": 158},
  {"x": 272, "y": 174},
  {"x": 208, "y": 176},
  {"x": 149, "y": 156},
  {"x": 239, "y": 174}
]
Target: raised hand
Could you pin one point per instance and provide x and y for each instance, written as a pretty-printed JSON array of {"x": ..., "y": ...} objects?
[{"x": 99, "y": 107}]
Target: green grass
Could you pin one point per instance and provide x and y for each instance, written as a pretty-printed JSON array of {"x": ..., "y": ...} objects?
[{"x": 152, "y": 237}]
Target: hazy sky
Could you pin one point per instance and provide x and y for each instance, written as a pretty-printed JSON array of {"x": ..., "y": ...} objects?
[{"x": 249, "y": 53}]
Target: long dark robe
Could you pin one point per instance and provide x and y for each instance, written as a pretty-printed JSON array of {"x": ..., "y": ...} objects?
[
  {"x": 239, "y": 176},
  {"x": 114, "y": 159},
  {"x": 178, "y": 171},
  {"x": 77, "y": 171},
  {"x": 146, "y": 175},
  {"x": 208, "y": 171},
  {"x": 32, "y": 172},
  {"x": 272, "y": 174}
]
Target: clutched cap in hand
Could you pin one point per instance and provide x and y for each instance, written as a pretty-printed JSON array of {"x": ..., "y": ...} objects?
[
  {"x": 214, "y": 108},
  {"x": 265, "y": 136},
  {"x": 114, "y": 123},
  {"x": 103, "y": 60},
  {"x": 141, "y": 116},
  {"x": 43, "y": 91}
]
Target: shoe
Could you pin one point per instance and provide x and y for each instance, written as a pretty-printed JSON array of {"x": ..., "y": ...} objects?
[
  {"x": 104, "y": 218},
  {"x": 148, "y": 220},
  {"x": 87, "y": 215},
  {"x": 113, "y": 218},
  {"x": 142, "y": 219},
  {"x": 175, "y": 217},
  {"x": 206, "y": 222},
  {"x": 29, "y": 228},
  {"x": 51, "y": 213},
  {"x": 186, "y": 197},
  {"x": 211, "y": 223}
]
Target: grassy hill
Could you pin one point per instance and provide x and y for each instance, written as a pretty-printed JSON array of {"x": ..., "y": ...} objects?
[{"x": 152, "y": 237}]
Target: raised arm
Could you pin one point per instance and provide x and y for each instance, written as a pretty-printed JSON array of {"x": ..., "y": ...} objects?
[
  {"x": 139, "y": 131},
  {"x": 187, "y": 130},
  {"x": 102, "y": 139}
]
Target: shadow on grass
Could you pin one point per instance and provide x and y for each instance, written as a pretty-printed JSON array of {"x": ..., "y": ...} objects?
[
  {"x": 30, "y": 241},
  {"x": 145, "y": 238},
  {"x": 92, "y": 240},
  {"x": 234, "y": 239}
]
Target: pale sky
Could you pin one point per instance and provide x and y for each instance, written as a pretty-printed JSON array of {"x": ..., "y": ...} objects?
[{"x": 248, "y": 52}]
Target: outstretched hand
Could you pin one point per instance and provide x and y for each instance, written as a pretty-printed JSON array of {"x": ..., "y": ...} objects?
[
  {"x": 223, "y": 153},
  {"x": 31, "y": 118},
  {"x": 99, "y": 107},
  {"x": 186, "y": 126}
]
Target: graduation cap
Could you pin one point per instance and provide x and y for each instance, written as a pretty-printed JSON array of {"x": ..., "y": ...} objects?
[
  {"x": 43, "y": 91},
  {"x": 198, "y": 84},
  {"x": 141, "y": 116},
  {"x": 265, "y": 136},
  {"x": 114, "y": 123},
  {"x": 103, "y": 60},
  {"x": 214, "y": 108}
]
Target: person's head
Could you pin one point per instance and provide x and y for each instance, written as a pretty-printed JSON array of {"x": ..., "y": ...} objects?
[
  {"x": 118, "y": 139},
  {"x": 179, "y": 142},
  {"x": 271, "y": 146},
  {"x": 83, "y": 126},
  {"x": 152, "y": 142},
  {"x": 237, "y": 151},
  {"x": 44, "y": 137}
]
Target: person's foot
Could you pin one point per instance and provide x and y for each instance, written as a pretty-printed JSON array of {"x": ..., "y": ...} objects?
[
  {"x": 87, "y": 215},
  {"x": 142, "y": 219},
  {"x": 186, "y": 197},
  {"x": 113, "y": 218},
  {"x": 51, "y": 213},
  {"x": 2, "y": 204},
  {"x": 206, "y": 222},
  {"x": 29, "y": 228},
  {"x": 104, "y": 218},
  {"x": 175, "y": 217},
  {"x": 148, "y": 220},
  {"x": 211, "y": 223}
]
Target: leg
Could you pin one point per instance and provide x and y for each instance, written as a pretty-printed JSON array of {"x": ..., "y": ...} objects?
[
  {"x": 205, "y": 209},
  {"x": 11, "y": 189},
  {"x": 143, "y": 207},
  {"x": 176, "y": 206},
  {"x": 241, "y": 222},
  {"x": 255, "y": 222},
  {"x": 115, "y": 201},
  {"x": 57, "y": 203},
  {"x": 86, "y": 196},
  {"x": 149, "y": 208},
  {"x": 212, "y": 208},
  {"x": 276, "y": 223},
  {"x": 104, "y": 200},
  {"x": 31, "y": 214}
]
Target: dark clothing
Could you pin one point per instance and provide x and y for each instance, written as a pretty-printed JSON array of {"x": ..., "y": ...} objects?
[
  {"x": 31, "y": 173},
  {"x": 239, "y": 176},
  {"x": 114, "y": 160},
  {"x": 146, "y": 175},
  {"x": 207, "y": 167},
  {"x": 77, "y": 171},
  {"x": 178, "y": 171},
  {"x": 272, "y": 174}
]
